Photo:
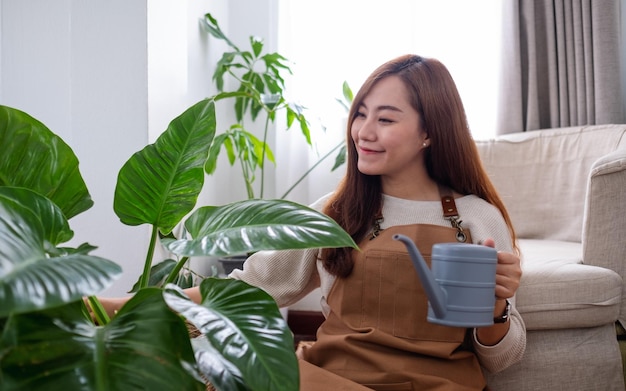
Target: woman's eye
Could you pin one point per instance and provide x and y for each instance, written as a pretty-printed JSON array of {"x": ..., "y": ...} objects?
[{"x": 385, "y": 120}]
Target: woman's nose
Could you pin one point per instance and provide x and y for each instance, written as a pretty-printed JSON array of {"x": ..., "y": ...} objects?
[{"x": 367, "y": 130}]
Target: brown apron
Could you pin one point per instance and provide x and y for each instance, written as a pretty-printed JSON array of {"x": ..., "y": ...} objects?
[{"x": 376, "y": 334}]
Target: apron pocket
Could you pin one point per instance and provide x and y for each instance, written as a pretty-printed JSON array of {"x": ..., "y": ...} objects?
[
  {"x": 411, "y": 307},
  {"x": 395, "y": 302}
]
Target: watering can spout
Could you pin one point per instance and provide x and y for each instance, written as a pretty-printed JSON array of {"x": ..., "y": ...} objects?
[{"x": 436, "y": 295}]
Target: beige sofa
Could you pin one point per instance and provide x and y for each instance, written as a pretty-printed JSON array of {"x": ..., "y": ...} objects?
[{"x": 565, "y": 190}]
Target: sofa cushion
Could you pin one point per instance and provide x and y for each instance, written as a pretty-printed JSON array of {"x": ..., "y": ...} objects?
[
  {"x": 558, "y": 291},
  {"x": 575, "y": 359}
]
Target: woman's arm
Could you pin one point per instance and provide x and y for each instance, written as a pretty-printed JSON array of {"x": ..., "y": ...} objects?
[{"x": 287, "y": 276}]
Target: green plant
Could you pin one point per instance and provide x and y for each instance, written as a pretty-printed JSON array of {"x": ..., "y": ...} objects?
[
  {"x": 260, "y": 89},
  {"x": 49, "y": 340}
]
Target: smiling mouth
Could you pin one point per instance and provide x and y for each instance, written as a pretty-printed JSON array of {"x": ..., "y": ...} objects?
[{"x": 367, "y": 150}]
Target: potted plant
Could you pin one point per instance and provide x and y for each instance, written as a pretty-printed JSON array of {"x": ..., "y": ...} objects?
[
  {"x": 258, "y": 95},
  {"x": 48, "y": 338}
]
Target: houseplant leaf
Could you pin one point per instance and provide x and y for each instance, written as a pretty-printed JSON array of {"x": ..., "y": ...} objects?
[
  {"x": 145, "y": 347},
  {"x": 252, "y": 225},
  {"x": 211, "y": 363},
  {"x": 161, "y": 271},
  {"x": 35, "y": 158},
  {"x": 296, "y": 112},
  {"x": 244, "y": 325},
  {"x": 160, "y": 184},
  {"x": 30, "y": 279},
  {"x": 56, "y": 229},
  {"x": 340, "y": 159},
  {"x": 211, "y": 25}
]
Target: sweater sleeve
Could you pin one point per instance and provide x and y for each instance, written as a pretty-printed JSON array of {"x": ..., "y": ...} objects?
[
  {"x": 286, "y": 275},
  {"x": 506, "y": 352}
]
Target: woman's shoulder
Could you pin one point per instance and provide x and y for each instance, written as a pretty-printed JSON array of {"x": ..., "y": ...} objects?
[
  {"x": 473, "y": 202},
  {"x": 321, "y": 202},
  {"x": 484, "y": 220},
  {"x": 464, "y": 203}
]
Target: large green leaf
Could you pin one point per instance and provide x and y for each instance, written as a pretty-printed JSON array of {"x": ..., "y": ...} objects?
[
  {"x": 213, "y": 366},
  {"x": 160, "y": 184},
  {"x": 244, "y": 325},
  {"x": 32, "y": 280},
  {"x": 35, "y": 158},
  {"x": 145, "y": 347},
  {"x": 56, "y": 229},
  {"x": 253, "y": 225}
]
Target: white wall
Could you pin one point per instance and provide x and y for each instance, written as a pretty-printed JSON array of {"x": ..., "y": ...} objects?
[{"x": 58, "y": 66}]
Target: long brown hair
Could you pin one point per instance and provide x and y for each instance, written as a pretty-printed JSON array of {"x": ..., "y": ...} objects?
[{"x": 452, "y": 159}]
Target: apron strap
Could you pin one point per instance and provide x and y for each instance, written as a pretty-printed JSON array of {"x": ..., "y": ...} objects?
[{"x": 451, "y": 213}]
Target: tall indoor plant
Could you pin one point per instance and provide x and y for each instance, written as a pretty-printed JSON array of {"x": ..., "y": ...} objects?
[
  {"x": 258, "y": 94},
  {"x": 253, "y": 83},
  {"x": 49, "y": 340}
]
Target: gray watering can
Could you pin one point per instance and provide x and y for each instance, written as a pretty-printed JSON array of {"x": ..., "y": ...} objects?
[{"x": 461, "y": 285}]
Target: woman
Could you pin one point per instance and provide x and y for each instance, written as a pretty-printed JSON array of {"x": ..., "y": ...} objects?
[
  {"x": 409, "y": 146},
  {"x": 410, "y": 152}
]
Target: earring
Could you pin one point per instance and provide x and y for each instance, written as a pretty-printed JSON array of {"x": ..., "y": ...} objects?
[{"x": 424, "y": 144}]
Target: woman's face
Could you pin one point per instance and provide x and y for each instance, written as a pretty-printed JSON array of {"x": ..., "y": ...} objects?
[{"x": 387, "y": 133}]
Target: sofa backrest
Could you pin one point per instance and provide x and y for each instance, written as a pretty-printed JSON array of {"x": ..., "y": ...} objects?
[{"x": 542, "y": 175}]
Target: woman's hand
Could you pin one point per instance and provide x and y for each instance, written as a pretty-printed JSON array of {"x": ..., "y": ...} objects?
[
  {"x": 508, "y": 276},
  {"x": 508, "y": 272},
  {"x": 113, "y": 304}
]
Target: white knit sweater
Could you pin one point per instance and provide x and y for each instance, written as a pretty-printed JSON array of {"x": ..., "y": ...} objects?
[{"x": 288, "y": 276}]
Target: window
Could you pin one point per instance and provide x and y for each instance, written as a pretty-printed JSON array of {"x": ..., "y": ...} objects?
[{"x": 331, "y": 41}]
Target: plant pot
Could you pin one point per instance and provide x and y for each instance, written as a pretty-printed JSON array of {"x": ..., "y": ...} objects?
[{"x": 231, "y": 263}]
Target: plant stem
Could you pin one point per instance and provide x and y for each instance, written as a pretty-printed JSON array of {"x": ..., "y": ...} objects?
[
  {"x": 100, "y": 356},
  {"x": 145, "y": 277},
  {"x": 98, "y": 311},
  {"x": 336, "y": 147},
  {"x": 267, "y": 123},
  {"x": 246, "y": 178},
  {"x": 174, "y": 273}
]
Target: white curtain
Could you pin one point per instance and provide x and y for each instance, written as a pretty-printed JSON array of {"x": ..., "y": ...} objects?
[
  {"x": 331, "y": 42},
  {"x": 562, "y": 64}
]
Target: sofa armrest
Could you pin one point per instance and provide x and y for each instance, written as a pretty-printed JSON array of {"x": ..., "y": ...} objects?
[{"x": 604, "y": 223}]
